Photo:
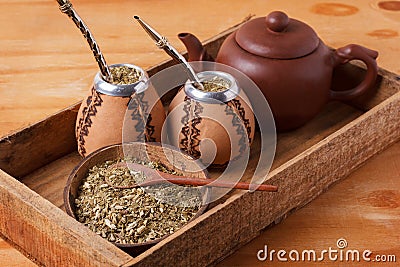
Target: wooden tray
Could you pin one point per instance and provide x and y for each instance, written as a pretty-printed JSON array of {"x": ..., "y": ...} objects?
[{"x": 36, "y": 162}]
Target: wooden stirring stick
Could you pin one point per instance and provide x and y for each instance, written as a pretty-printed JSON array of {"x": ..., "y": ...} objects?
[{"x": 154, "y": 176}]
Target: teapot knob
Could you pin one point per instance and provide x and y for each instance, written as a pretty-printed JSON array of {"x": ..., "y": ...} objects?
[{"x": 277, "y": 21}]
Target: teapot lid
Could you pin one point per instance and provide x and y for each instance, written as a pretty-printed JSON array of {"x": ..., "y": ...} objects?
[{"x": 277, "y": 36}]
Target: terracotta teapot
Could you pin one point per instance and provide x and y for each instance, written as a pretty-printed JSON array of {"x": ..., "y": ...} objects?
[{"x": 289, "y": 63}]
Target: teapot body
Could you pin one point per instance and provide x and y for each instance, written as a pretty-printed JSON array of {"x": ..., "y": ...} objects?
[
  {"x": 296, "y": 89},
  {"x": 290, "y": 64}
]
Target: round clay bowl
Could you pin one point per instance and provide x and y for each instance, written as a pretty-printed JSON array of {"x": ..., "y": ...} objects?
[{"x": 143, "y": 151}]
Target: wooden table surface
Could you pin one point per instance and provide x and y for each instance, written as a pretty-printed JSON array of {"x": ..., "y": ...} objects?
[{"x": 45, "y": 65}]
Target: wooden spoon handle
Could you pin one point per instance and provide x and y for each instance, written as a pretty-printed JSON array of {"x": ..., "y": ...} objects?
[
  {"x": 156, "y": 177},
  {"x": 215, "y": 183}
]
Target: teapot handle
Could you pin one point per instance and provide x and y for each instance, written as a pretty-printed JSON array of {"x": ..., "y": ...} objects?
[{"x": 356, "y": 52}]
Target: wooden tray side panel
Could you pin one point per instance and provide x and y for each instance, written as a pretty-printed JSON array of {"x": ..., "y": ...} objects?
[
  {"x": 39, "y": 144},
  {"x": 234, "y": 223},
  {"x": 47, "y": 234}
]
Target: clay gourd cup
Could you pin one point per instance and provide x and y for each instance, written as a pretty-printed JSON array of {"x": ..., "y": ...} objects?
[
  {"x": 223, "y": 117},
  {"x": 109, "y": 108},
  {"x": 141, "y": 151}
]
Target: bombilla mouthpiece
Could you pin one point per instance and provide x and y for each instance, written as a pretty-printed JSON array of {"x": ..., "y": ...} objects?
[
  {"x": 150, "y": 31},
  {"x": 62, "y": 2},
  {"x": 163, "y": 43},
  {"x": 66, "y": 7}
]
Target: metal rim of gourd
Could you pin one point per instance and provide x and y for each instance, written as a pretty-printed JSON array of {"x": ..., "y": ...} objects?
[
  {"x": 213, "y": 97},
  {"x": 104, "y": 87}
]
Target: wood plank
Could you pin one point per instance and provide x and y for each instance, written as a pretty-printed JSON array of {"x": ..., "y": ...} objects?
[
  {"x": 43, "y": 142},
  {"x": 47, "y": 234},
  {"x": 300, "y": 180},
  {"x": 333, "y": 117},
  {"x": 50, "y": 180},
  {"x": 11, "y": 257}
]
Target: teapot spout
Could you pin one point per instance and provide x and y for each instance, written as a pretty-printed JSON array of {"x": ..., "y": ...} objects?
[{"x": 195, "y": 49}]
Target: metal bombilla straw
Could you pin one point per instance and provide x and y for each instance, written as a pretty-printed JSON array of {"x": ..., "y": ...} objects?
[
  {"x": 163, "y": 43},
  {"x": 66, "y": 7}
]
